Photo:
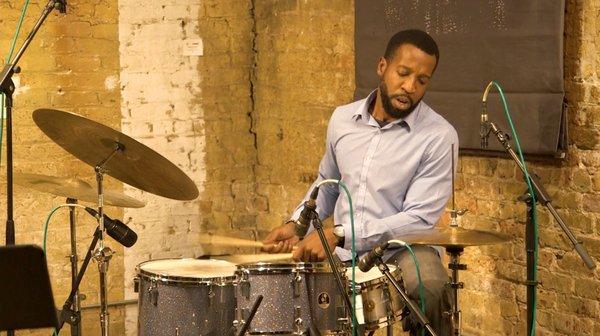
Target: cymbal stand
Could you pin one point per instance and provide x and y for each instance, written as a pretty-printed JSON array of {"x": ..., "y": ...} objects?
[
  {"x": 455, "y": 284},
  {"x": 76, "y": 306},
  {"x": 103, "y": 253},
  {"x": 68, "y": 314}
]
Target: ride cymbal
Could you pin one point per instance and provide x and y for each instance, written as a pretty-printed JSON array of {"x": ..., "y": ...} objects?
[
  {"x": 74, "y": 188},
  {"x": 134, "y": 164}
]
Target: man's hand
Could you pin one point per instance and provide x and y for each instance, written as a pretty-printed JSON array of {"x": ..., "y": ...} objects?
[
  {"x": 281, "y": 239},
  {"x": 310, "y": 249}
]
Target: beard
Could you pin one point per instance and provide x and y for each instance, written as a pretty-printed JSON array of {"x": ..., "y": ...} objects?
[{"x": 386, "y": 101}]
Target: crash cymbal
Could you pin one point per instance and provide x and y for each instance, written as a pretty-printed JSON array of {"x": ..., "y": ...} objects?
[
  {"x": 136, "y": 164},
  {"x": 73, "y": 188},
  {"x": 455, "y": 237}
]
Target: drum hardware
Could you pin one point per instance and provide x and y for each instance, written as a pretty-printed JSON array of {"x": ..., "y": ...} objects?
[
  {"x": 318, "y": 225},
  {"x": 197, "y": 297},
  {"x": 112, "y": 153},
  {"x": 299, "y": 298},
  {"x": 7, "y": 87},
  {"x": 541, "y": 195},
  {"x": 67, "y": 314},
  {"x": 377, "y": 304},
  {"x": 245, "y": 324},
  {"x": 412, "y": 306},
  {"x": 74, "y": 188},
  {"x": 134, "y": 163}
]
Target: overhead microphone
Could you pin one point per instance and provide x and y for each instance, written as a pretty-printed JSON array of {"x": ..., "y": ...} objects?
[
  {"x": 310, "y": 206},
  {"x": 368, "y": 260},
  {"x": 484, "y": 129},
  {"x": 61, "y": 5},
  {"x": 116, "y": 229}
]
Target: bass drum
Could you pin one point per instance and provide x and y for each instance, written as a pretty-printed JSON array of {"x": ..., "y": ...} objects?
[{"x": 185, "y": 297}]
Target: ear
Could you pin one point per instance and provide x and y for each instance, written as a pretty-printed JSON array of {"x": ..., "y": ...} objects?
[{"x": 381, "y": 66}]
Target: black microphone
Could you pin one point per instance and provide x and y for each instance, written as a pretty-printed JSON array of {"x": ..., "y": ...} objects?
[
  {"x": 116, "y": 229},
  {"x": 61, "y": 5},
  {"x": 303, "y": 221},
  {"x": 368, "y": 260},
  {"x": 484, "y": 129}
]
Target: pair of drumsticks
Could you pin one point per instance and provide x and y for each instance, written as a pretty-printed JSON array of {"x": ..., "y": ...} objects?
[{"x": 240, "y": 242}]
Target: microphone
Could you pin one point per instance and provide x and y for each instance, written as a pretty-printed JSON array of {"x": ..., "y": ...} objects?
[
  {"x": 303, "y": 221},
  {"x": 368, "y": 260},
  {"x": 61, "y": 5},
  {"x": 116, "y": 229},
  {"x": 484, "y": 129}
]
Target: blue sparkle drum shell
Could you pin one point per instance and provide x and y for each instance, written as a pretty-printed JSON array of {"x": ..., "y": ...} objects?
[{"x": 186, "y": 297}]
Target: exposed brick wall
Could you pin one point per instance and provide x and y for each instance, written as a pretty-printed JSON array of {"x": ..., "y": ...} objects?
[
  {"x": 69, "y": 66},
  {"x": 247, "y": 120},
  {"x": 305, "y": 57}
]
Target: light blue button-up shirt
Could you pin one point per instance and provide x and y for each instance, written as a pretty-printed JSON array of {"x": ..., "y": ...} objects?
[{"x": 399, "y": 175}]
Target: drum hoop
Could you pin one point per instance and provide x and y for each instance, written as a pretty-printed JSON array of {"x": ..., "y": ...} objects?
[
  {"x": 178, "y": 279},
  {"x": 278, "y": 268},
  {"x": 397, "y": 274}
]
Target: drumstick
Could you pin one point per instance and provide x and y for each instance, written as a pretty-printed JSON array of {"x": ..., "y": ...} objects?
[
  {"x": 254, "y": 258},
  {"x": 228, "y": 241}
]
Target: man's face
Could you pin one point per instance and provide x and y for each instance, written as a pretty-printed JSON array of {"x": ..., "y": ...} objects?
[{"x": 404, "y": 79}]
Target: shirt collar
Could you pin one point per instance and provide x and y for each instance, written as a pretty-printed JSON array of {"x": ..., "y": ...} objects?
[{"x": 363, "y": 112}]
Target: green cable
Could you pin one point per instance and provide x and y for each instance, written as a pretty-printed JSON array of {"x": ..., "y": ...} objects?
[
  {"x": 8, "y": 57},
  {"x": 533, "y": 200},
  {"x": 353, "y": 252},
  {"x": 421, "y": 286},
  {"x": 46, "y": 224}
]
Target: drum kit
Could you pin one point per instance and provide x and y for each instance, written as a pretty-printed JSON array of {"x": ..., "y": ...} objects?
[{"x": 260, "y": 294}]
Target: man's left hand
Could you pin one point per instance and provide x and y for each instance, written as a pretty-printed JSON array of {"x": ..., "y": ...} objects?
[{"x": 310, "y": 248}]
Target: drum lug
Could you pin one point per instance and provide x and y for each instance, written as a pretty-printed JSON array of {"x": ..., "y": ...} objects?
[
  {"x": 298, "y": 322},
  {"x": 136, "y": 284},
  {"x": 211, "y": 295},
  {"x": 245, "y": 284},
  {"x": 153, "y": 292},
  {"x": 296, "y": 282}
]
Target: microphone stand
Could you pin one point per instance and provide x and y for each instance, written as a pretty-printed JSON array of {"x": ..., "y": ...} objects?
[
  {"x": 71, "y": 316},
  {"x": 542, "y": 197},
  {"x": 411, "y": 305},
  {"x": 7, "y": 87},
  {"x": 318, "y": 225}
]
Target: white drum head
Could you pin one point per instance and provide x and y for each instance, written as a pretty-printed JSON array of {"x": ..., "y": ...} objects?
[
  {"x": 372, "y": 274},
  {"x": 189, "y": 268}
]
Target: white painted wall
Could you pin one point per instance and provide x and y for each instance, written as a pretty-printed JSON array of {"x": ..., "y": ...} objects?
[{"x": 160, "y": 88}]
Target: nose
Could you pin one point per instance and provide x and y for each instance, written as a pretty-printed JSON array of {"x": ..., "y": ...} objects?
[{"x": 410, "y": 85}]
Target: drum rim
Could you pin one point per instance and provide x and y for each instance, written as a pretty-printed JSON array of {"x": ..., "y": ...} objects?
[
  {"x": 396, "y": 273},
  {"x": 272, "y": 267},
  {"x": 165, "y": 279}
]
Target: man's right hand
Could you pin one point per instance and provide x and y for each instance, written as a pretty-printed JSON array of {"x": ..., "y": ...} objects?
[{"x": 281, "y": 240}]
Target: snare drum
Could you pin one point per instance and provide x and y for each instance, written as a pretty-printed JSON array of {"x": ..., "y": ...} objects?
[
  {"x": 295, "y": 296},
  {"x": 185, "y": 297},
  {"x": 378, "y": 304}
]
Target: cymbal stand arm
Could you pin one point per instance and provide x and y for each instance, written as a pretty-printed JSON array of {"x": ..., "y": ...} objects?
[
  {"x": 103, "y": 254},
  {"x": 411, "y": 305}
]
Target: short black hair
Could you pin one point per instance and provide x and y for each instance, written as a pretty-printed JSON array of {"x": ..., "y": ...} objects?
[{"x": 416, "y": 37}]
